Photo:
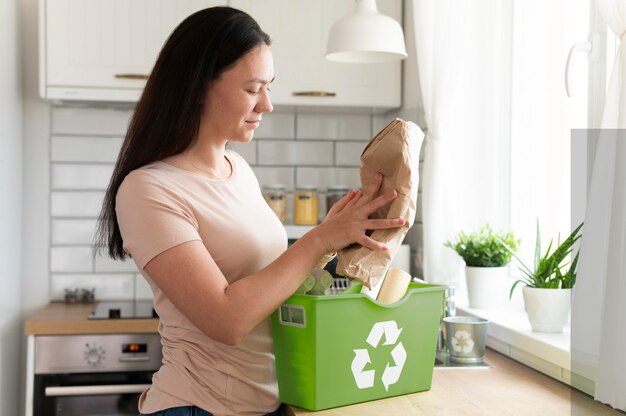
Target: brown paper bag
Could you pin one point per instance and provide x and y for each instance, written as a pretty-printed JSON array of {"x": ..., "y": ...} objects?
[{"x": 394, "y": 152}]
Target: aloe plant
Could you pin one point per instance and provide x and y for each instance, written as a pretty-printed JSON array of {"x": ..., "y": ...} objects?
[
  {"x": 485, "y": 247},
  {"x": 547, "y": 271}
]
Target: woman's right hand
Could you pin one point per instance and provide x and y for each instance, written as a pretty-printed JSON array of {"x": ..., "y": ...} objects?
[{"x": 348, "y": 220}]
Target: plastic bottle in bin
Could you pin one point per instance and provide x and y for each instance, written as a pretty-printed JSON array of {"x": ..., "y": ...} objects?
[{"x": 305, "y": 205}]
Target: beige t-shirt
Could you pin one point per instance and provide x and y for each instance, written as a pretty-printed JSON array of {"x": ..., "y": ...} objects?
[{"x": 160, "y": 206}]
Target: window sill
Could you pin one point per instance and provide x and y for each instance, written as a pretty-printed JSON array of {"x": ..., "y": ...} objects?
[{"x": 510, "y": 334}]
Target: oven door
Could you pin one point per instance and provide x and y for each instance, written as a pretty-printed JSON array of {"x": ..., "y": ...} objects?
[{"x": 89, "y": 394}]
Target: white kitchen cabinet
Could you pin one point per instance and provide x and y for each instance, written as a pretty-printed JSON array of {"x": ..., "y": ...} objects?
[
  {"x": 102, "y": 50},
  {"x": 299, "y": 31}
]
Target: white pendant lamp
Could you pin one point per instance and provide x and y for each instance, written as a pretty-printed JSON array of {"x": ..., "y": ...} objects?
[{"x": 365, "y": 36}]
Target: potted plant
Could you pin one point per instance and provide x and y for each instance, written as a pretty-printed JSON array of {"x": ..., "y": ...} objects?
[
  {"x": 548, "y": 286},
  {"x": 486, "y": 254}
]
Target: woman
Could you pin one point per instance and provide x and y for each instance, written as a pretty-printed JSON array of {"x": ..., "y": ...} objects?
[{"x": 191, "y": 215}]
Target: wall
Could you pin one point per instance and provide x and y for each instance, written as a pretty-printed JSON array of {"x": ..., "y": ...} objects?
[
  {"x": 289, "y": 148},
  {"x": 70, "y": 150},
  {"x": 10, "y": 206}
]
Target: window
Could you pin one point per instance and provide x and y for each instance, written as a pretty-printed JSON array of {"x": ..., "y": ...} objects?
[{"x": 548, "y": 172}]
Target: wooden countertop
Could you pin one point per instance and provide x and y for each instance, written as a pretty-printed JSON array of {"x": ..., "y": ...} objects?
[
  {"x": 60, "y": 318},
  {"x": 507, "y": 388}
]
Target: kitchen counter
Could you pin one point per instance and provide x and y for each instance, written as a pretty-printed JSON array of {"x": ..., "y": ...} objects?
[
  {"x": 60, "y": 318},
  {"x": 507, "y": 388}
]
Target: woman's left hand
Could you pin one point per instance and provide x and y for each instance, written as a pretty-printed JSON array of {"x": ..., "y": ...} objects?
[{"x": 348, "y": 220}]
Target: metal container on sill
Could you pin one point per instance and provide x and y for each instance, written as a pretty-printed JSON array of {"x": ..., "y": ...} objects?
[
  {"x": 335, "y": 193},
  {"x": 466, "y": 337},
  {"x": 305, "y": 209},
  {"x": 276, "y": 198}
]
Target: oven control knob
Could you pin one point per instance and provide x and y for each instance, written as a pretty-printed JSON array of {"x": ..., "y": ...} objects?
[{"x": 94, "y": 354}]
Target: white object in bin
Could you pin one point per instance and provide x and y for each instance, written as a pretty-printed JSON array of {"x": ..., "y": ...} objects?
[
  {"x": 395, "y": 285},
  {"x": 373, "y": 292}
]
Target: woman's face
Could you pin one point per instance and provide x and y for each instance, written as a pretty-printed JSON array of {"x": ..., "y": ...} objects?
[{"x": 236, "y": 101}]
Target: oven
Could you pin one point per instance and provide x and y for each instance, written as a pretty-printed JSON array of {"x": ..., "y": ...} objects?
[{"x": 96, "y": 375}]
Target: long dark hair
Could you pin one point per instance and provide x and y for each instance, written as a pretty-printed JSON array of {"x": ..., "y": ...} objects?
[{"x": 167, "y": 117}]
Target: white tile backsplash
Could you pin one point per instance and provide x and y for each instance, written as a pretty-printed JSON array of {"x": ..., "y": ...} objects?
[
  {"x": 142, "y": 288},
  {"x": 85, "y": 149},
  {"x": 105, "y": 264},
  {"x": 71, "y": 259},
  {"x": 379, "y": 122},
  {"x": 83, "y": 176},
  {"x": 349, "y": 153},
  {"x": 288, "y": 148},
  {"x": 275, "y": 175},
  {"x": 108, "y": 286},
  {"x": 90, "y": 121},
  {"x": 72, "y": 231},
  {"x": 325, "y": 177},
  {"x": 245, "y": 150},
  {"x": 334, "y": 127},
  {"x": 276, "y": 126},
  {"x": 76, "y": 204},
  {"x": 277, "y": 153}
]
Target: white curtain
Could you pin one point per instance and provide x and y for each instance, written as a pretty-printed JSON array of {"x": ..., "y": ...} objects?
[
  {"x": 599, "y": 310},
  {"x": 439, "y": 37}
]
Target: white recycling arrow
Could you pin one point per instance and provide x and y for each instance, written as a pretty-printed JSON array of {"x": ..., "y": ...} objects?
[
  {"x": 462, "y": 341},
  {"x": 392, "y": 373},
  {"x": 389, "y": 328},
  {"x": 364, "y": 379}
]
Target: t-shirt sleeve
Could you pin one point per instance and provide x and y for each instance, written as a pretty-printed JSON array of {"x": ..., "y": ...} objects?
[{"x": 151, "y": 217}]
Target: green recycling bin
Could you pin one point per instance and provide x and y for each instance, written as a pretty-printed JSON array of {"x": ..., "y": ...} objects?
[{"x": 337, "y": 350}]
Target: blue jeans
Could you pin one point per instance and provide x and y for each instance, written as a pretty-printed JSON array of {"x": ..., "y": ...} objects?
[{"x": 196, "y": 411}]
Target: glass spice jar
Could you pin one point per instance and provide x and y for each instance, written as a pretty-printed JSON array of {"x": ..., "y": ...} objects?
[
  {"x": 276, "y": 198},
  {"x": 88, "y": 294},
  {"x": 71, "y": 294},
  {"x": 334, "y": 194},
  {"x": 305, "y": 205}
]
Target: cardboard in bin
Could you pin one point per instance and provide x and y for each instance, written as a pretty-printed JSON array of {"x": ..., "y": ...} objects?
[{"x": 342, "y": 349}]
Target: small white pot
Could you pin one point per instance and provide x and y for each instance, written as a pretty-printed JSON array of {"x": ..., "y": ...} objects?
[
  {"x": 548, "y": 309},
  {"x": 484, "y": 286}
]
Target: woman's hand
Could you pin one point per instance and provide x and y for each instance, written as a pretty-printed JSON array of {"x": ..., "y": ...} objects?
[{"x": 348, "y": 220}]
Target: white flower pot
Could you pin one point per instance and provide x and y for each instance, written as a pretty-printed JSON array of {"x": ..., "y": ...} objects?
[
  {"x": 484, "y": 286},
  {"x": 548, "y": 309}
]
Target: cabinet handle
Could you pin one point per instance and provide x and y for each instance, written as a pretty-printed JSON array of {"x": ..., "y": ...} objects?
[
  {"x": 93, "y": 390},
  {"x": 314, "y": 94},
  {"x": 132, "y": 76}
]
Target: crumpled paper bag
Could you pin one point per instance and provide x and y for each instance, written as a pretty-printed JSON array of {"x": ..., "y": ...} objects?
[{"x": 394, "y": 152}]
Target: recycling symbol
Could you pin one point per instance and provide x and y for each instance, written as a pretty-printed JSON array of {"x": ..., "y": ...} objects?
[
  {"x": 462, "y": 341},
  {"x": 365, "y": 378}
]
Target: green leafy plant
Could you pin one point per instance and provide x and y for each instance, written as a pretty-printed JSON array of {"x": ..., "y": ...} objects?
[
  {"x": 485, "y": 248},
  {"x": 548, "y": 270}
]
